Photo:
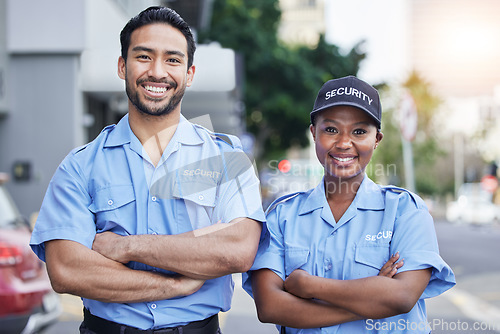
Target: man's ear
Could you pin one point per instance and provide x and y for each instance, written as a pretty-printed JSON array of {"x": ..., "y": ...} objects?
[
  {"x": 190, "y": 75},
  {"x": 121, "y": 68}
]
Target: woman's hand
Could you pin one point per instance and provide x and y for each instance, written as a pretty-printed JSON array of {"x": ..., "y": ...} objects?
[
  {"x": 298, "y": 282},
  {"x": 390, "y": 268}
]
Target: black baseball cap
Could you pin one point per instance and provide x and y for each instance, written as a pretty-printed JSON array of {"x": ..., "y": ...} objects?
[{"x": 349, "y": 91}]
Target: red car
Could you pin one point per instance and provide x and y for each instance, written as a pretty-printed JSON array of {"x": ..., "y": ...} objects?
[{"x": 27, "y": 301}]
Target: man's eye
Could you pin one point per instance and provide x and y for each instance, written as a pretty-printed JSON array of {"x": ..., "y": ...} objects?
[
  {"x": 142, "y": 57},
  {"x": 330, "y": 129},
  {"x": 173, "y": 60}
]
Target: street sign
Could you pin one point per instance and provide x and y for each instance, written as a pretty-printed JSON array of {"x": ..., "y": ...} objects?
[{"x": 408, "y": 117}]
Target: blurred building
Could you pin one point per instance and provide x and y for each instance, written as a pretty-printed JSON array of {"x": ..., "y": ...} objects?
[
  {"x": 302, "y": 21},
  {"x": 59, "y": 85},
  {"x": 454, "y": 47}
]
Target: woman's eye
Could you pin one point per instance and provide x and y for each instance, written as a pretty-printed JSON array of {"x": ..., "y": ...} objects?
[{"x": 359, "y": 132}]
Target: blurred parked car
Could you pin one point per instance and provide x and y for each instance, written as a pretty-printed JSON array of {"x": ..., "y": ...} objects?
[
  {"x": 473, "y": 205},
  {"x": 27, "y": 301}
]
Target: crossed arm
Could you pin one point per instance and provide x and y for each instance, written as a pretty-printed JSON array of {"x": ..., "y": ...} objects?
[
  {"x": 206, "y": 253},
  {"x": 100, "y": 273},
  {"x": 75, "y": 269},
  {"x": 306, "y": 301}
]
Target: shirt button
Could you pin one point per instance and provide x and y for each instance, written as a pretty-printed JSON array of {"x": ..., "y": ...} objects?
[
  {"x": 153, "y": 306},
  {"x": 201, "y": 197},
  {"x": 110, "y": 202},
  {"x": 153, "y": 198}
]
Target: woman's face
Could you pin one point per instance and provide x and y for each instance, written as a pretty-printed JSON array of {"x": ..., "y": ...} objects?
[{"x": 345, "y": 138}]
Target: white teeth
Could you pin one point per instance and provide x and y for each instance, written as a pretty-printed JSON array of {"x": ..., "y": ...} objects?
[
  {"x": 156, "y": 89},
  {"x": 343, "y": 159}
]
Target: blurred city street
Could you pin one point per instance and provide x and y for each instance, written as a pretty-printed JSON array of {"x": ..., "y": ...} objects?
[
  {"x": 259, "y": 65},
  {"x": 472, "y": 306}
]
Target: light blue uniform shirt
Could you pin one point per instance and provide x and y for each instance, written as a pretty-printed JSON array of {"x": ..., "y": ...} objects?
[
  {"x": 111, "y": 185},
  {"x": 379, "y": 222}
]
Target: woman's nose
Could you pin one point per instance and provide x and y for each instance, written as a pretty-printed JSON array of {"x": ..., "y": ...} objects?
[{"x": 344, "y": 141}]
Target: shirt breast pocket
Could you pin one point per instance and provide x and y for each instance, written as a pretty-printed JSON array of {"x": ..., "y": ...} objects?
[
  {"x": 114, "y": 207},
  {"x": 198, "y": 199},
  {"x": 369, "y": 259},
  {"x": 295, "y": 258}
]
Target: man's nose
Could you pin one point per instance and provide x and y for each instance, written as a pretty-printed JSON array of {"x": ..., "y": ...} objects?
[{"x": 158, "y": 69}]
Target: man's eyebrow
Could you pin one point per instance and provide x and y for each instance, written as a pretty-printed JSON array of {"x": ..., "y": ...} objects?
[
  {"x": 169, "y": 52},
  {"x": 142, "y": 48},
  {"x": 176, "y": 53}
]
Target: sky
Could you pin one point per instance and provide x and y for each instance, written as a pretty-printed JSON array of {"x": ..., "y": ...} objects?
[
  {"x": 453, "y": 44},
  {"x": 382, "y": 24}
]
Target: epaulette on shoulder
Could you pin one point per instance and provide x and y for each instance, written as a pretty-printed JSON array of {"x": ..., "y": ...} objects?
[
  {"x": 418, "y": 201},
  {"x": 220, "y": 136},
  {"x": 106, "y": 128},
  {"x": 80, "y": 148},
  {"x": 395, "y": 189},
  {"x": 225, "y": 138},
  {"x": 280, "y": 200}
]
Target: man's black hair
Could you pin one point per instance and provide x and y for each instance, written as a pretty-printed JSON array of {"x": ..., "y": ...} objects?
[{"x": 157, "y": 14}]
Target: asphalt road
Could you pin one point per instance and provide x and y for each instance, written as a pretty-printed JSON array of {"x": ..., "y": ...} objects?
[{"x": 471, "y": 307}]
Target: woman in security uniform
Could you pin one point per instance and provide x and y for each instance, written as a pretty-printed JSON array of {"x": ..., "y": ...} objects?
[{"x": 319, "y": 274}]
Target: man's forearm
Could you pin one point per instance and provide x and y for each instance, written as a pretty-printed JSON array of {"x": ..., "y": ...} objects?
[
  {"x": 211, "y": 252},
  {"x": 77, "y": 270}
]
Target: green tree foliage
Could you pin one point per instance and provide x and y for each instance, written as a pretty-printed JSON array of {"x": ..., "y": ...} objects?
[
  {"x": 281, "y": 81},
  {"x": 426, "y": 150}
]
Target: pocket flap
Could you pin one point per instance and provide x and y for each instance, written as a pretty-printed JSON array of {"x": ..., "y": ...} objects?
[
  {"x": 200, "y": 191},
  {"x": 295, "y": 258},
  {"x": 111, "y": 198},
  {"x": 372, "y": 255}
]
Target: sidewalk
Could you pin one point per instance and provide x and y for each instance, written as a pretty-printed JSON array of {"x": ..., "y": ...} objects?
[{"x": 477, "y": 302}]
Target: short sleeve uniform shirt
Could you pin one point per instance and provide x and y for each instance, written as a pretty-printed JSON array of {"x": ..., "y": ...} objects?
[
  {"x": 110, "y": 184},
  {"x": 379, "y": 222}
]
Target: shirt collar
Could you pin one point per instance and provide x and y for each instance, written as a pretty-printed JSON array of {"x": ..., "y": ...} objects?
[
  {"x": 187, "y": 133},
  {"x": 369, "y": 196},
  {"x": 121, "y": 134},
  {"x": 315, "y": 200}
]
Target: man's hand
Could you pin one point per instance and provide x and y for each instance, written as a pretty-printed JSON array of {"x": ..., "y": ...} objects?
[{"x": 112, "y": 246}]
